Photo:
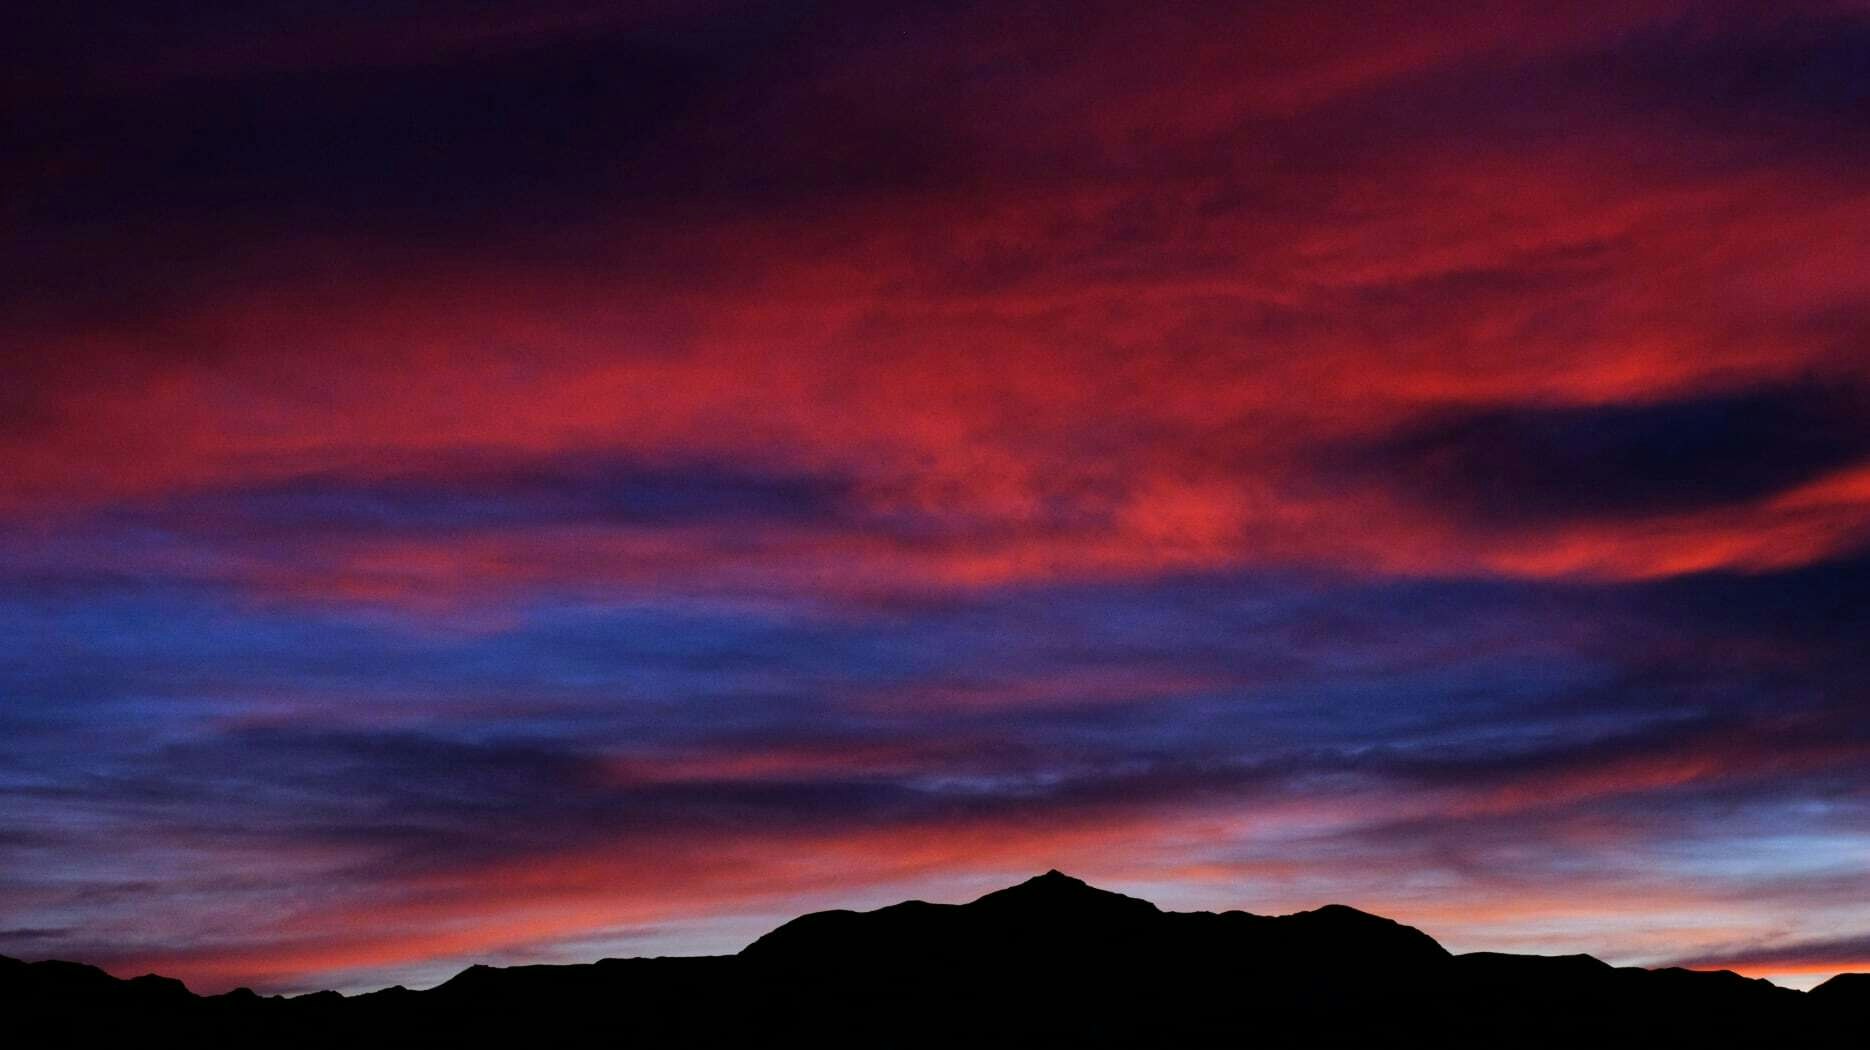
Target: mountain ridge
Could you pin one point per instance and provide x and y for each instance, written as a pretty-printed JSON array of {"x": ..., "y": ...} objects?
[{"x": 1049, "y": 961}]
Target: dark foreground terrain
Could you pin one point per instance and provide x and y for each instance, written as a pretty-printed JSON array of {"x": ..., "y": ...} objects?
[{"x": 1051, "y": 961}]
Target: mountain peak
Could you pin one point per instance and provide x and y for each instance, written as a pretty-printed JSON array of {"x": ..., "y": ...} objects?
[
  {"x": 1055, "y": 890},
  {"x": 1053, "y": 880}
]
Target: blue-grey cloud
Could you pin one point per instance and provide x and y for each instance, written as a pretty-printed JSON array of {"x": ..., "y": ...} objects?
[{"x": 1545, "y": 463}]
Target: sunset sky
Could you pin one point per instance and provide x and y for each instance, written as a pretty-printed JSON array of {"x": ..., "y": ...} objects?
[{"x": 533, "y": 481}]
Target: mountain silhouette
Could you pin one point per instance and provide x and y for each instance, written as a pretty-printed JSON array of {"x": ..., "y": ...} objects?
[{"x": 1050, "y": 962}]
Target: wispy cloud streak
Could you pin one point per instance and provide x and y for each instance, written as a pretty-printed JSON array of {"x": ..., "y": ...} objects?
[{"x": 522, "y": 484}]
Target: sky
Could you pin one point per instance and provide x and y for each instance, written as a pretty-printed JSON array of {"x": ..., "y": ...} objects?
[{"x": 526, "y": 482}]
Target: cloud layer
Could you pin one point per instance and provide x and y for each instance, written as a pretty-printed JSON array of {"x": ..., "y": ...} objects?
[{"x": 538, "y": 481}]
